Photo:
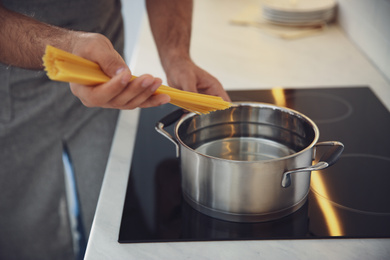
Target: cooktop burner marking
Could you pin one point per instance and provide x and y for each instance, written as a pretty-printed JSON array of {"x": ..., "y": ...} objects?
[
  {"x": 337, "y": 108},
  {"x": 365, "y": 178}
]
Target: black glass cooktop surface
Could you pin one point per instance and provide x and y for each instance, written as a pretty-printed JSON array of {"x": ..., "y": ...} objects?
[{"x": 350, "y": 199}]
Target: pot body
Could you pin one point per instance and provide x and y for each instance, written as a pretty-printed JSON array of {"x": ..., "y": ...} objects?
[
  {"x": 243, "y": 192},
  {"x": 233, "y": 161}
]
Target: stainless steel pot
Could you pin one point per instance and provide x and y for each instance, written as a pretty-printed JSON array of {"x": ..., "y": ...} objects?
[{"x": 249, "y": 163}]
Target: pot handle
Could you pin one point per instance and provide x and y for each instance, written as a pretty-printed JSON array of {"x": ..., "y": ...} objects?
[
  {"x": 327, "y": 159},
  {"x": 167, "y": 121}
]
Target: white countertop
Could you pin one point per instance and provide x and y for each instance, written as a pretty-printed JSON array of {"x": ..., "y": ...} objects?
[{"x": 241, "y": 58}]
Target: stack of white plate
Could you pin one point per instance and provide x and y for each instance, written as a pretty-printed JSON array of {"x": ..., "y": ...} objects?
[{"x": 299, "y": 12}]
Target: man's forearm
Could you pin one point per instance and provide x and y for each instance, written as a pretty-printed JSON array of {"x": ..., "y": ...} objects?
[
  {"x": 171, "y": 22},
  {"x": 23, "y": 39}
]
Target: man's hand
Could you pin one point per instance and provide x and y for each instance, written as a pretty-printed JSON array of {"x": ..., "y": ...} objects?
[
  {"x": 171, "y": 22},
  {"x": 18, "y": 49},
  {"x": 184, "y": 74},
  {"x": 119, "y": 92}
]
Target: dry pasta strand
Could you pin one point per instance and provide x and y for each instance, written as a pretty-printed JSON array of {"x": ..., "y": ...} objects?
[{"x": 64, "y": 66}]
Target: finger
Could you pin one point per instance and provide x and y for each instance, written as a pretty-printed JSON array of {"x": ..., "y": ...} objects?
[
  {"x": 112, "y": 63},
  {"x": 99, "y": 96},
  {"x": 145, "y": 95},
  {"x": 187, "y": 83},
  {"x": 98, "y": 48},
  {"x": 225, "y": 96},
  {"x": 136, "y": 92},
  {"x": 213, "y": 87},
  {"x": 218, "y": 90},
  {"x": 156, "y": 100}
]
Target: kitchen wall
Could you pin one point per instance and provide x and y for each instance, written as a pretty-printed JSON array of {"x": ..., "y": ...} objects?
[
  {"x": 133, "y": 12},
  {"x": 367, "y": 23}
]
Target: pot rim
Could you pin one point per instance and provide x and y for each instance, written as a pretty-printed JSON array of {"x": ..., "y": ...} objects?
[{"x": 254, "y": 104}]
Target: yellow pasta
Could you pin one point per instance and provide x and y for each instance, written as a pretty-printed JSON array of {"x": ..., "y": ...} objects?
[{"x": 64, "y": 66}]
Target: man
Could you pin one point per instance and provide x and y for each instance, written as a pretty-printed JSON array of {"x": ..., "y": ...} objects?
[{"x": 39, "y": 119}]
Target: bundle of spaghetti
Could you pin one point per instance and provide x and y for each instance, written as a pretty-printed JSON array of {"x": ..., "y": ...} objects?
[{"x": 64, "y": 66}]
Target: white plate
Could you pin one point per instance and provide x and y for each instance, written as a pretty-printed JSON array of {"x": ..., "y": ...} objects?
[
  {"x": 299, "y": 5},
  {"x": 297, "y": 14},
  {"x": 326, "y": 16}
]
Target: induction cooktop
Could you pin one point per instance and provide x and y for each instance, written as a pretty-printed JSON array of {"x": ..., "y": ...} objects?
[{"x": 350, "y": 199}]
